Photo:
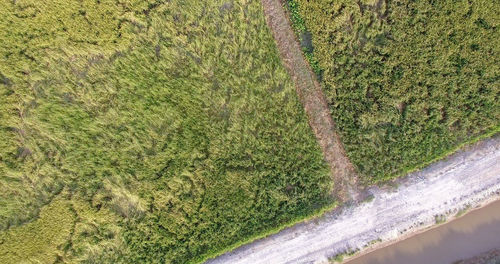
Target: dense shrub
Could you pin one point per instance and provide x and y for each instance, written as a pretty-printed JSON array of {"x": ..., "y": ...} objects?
[{"x": 407, "y": 81}]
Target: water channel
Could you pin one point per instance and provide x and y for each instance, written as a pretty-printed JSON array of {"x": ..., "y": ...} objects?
[{"x": 465, "y": 237}]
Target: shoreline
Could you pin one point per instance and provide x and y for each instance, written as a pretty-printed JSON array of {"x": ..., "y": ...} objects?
[{"x": 450, "y": 218}]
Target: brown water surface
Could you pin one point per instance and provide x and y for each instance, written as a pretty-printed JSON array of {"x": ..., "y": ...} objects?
[{"x": 465, "y": 237}]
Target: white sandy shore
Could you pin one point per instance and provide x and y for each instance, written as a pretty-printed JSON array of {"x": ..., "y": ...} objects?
[{"x": 468, "y": 178}]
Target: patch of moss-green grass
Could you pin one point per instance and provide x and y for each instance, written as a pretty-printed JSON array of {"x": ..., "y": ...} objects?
[
  {"x": 38, "y": 241},
  {"x": 172, "y": 125}
]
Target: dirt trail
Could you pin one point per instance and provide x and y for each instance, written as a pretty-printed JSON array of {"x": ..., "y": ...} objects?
[
  {"x": 313, "y": 100},
  {"x": 468, "y": 178}
]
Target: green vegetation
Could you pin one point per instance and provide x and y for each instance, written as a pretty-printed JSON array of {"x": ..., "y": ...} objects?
[
  {"x": 340, "y": 257},
  {"x": 147, "y": 131},
  {"x": 303, "y": 35},
  {"x": 439, "y": 219},
  {"x": 38, "y": 241},
  {"x": 373, "y": 242},
  {"x": 463, "y": 211},
  {"x": 337, "y": 258},
  {"x": 408, "y": 82}
]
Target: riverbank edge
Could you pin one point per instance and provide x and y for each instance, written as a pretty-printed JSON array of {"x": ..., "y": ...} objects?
[
  {"x": 450, "y": 217},
  {"x": 472, "y": 203}
]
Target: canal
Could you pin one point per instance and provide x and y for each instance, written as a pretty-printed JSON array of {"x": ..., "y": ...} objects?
[{"x": 465, "y": 237}]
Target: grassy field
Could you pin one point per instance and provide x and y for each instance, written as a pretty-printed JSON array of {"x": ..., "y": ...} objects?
[
  {"x": 408, "y": 82},
  {"x": 147, "y": 132}
]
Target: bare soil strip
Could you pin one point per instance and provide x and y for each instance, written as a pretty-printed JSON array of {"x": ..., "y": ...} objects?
[
  {"x": 313, "y": 100},
  {"x": 467, "y": 179}
]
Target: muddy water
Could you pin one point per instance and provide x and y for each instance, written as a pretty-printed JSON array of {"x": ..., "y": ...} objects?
[{"x": 468, "y": 236}]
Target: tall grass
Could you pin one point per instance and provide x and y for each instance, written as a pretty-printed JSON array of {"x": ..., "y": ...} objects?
[
  {"x": 171, "y": 127},
  {"x": 408, "y": 82}
]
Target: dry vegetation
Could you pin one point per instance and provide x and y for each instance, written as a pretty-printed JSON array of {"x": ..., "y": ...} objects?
[{"x": 147, "y": 131}]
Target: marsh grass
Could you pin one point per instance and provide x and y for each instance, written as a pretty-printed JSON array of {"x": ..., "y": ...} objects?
[
  {"x": 408, "y": 82},
  {"x": 171, "y": 127}
]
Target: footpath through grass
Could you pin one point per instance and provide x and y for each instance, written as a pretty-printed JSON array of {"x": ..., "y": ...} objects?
[
  {"x": 154, "y": 131},
  {"x": 408, "y": 82}
]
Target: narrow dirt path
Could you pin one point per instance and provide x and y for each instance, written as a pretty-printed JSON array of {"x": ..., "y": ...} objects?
[
  {"x": 469, "y": 178},
  {"x": 313, "y": 100}
]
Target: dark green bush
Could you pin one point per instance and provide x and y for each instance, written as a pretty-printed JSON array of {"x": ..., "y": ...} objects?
[{"x": 407, "y": 81}]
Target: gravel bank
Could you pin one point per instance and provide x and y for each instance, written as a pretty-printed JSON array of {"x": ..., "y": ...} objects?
[{"x": 469, "y": 178}]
